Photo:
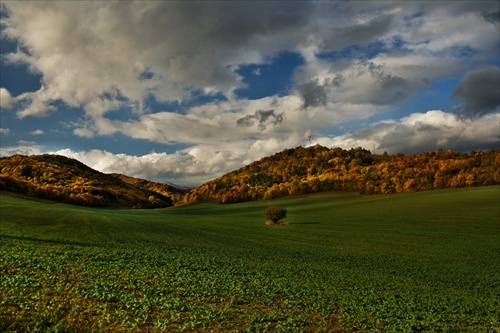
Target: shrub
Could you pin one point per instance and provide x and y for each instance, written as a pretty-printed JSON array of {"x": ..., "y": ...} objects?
[{"x": 275, "y": 213}]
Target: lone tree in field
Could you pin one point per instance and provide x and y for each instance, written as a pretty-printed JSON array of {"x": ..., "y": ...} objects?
[{"x": 275, "y": 213}]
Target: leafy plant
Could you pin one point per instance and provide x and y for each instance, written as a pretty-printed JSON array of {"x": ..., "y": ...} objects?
[
  {"x": 275, "y": 213},
  {"x": 414, "y": 262}
]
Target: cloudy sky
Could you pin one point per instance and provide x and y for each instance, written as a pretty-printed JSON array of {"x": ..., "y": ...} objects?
[{"x": 186, "y": 91}]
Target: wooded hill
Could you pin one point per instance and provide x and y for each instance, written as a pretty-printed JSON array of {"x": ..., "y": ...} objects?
[
  {"x": 176, "y": 194},
  {"x": 58, "y": 178},
  {"x": 290, "y": 172},
  {"x": 316, "y": 169}
]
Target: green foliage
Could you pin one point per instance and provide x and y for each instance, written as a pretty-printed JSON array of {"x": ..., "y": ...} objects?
[
  {"x": 275, "y": 213},
  {"x": 412, "y": 262}
]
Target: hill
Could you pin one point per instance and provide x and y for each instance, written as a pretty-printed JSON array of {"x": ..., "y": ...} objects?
[
  {"x": 290, "y": 172},
  {"x": 317, "y": 169},
  {"x": 63, "y": 179},
  {"x": 176, "y": 193}
]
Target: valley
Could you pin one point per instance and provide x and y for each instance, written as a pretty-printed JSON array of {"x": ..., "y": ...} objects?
[{"x": 410, "y": 262}]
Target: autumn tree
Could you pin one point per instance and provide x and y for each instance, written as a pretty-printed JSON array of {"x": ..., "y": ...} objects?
[{"x": 315, "y": 169}]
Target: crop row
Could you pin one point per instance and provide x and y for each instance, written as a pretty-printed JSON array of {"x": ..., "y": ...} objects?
[
  {"x": 137, "y": 289},
  {"x": 207, "y": 268}
]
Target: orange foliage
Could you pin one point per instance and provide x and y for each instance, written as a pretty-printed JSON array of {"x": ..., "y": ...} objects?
[
  {"x": 316, "y": 169},
  {"x": 58, "y": 178}
]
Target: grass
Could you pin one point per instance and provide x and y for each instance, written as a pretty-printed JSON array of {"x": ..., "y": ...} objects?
[{"x": 414, "y": 262}]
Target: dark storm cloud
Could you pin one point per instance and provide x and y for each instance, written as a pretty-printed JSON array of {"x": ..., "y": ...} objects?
[
  {"x": 313, "y": 94},
  {"x": 480, "y": 92},
  {"x": 492, "y": 17},
  {"x": 262, "y": 118},
  {"x": 392, "y": 89},
  {"x": 337, "y": 81}
]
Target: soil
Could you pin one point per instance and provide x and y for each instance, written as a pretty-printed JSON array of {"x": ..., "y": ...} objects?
[{"x": 276, "y": 224}]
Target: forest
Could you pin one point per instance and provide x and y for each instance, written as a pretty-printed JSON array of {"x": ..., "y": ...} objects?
[
  {"x": 292, "y": 171},
  {"x": 317, "y": 169},
  {"x": 58, "y": 178}
]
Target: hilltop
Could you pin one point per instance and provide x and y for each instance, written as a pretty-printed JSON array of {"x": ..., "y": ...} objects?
[
  {"x": 63, "y": 179},
  {"x": 316, "y": 169}
]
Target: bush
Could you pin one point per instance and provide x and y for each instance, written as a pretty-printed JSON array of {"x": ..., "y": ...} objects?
[{"x": 275, "y": 213}]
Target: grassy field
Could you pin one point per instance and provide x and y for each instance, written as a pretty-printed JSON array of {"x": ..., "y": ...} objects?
[{"x": 414, "y": 262}]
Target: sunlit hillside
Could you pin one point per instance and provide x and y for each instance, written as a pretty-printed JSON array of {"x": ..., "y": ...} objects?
[
  {"x": 318, "y": 169},
  {"x": 59, "y": 178},
  {"x": 290, "y": 172}
]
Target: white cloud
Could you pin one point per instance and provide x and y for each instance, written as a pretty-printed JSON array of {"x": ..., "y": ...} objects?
[
  {"x": 223, "y": 122},
  {"x": 91, "y": 51},
  {"x": 6, "y": 100},
  {"x": 441, "y": 32},
  {"x": 37, "y": 103},
  {"x": 419, "y": 132},
  {"x": 37, "y": 132},
  {"x": 189, "y": 167},
  {"x": 83, "y": 132},
  {"x": 95, "y": 54},
  {"x": 107, "y": 57},
  {"x": 197, "y": 164},
  {"x": 23, "y": 148},
  {"x": 192, "y": 166}
]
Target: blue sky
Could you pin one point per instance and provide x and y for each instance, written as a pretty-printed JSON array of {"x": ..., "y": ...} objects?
[{"x": 186, "y": 91}]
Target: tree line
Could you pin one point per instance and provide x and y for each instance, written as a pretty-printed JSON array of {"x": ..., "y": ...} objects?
[
  {"x": 290, "y": 172},
  {"x": 316, "y": 169}
]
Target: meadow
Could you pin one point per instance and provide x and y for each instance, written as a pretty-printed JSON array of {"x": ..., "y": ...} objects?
[{"x": 411, "y": 262}]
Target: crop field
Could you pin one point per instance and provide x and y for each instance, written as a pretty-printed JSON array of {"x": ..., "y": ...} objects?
[{"x": 413, "y": 262}]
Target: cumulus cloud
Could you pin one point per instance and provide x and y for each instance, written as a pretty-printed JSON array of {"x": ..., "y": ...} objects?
[
  {"x": 210, "y": 123},
  {"x": 128, "y": 51},
  {"x": 480, "y": 91},
  {"x": 37, "y": 132},
  {"x": 88, "y": 49},
  {"x": 197, "y": 164},
  {"x": 114, "y": 60},
  {"x": 189, "y": 167},
  {"x": 419, "y": 132},
  {"x": 362, "y": 30}
]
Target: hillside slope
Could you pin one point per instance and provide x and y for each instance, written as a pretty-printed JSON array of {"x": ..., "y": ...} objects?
[
  {"x": 316, "y": 169},
  {"x": 59, "y": 178},
  {"x": 290, "y": 172},
  {"x": 168, "y": 190}
]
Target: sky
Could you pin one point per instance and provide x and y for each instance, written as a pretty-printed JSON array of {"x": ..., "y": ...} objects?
[{"x": 186, "y": 91}]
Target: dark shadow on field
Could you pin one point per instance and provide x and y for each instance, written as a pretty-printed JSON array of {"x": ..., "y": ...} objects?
[
  {"x": 304, "y": 223},
  {"x": 46, "y": 241}
]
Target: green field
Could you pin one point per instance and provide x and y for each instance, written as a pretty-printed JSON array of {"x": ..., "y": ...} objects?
[{"x": 414, "y": 262}]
